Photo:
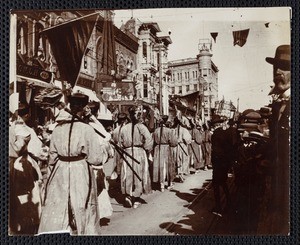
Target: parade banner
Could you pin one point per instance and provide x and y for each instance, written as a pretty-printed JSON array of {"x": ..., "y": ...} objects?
[{"x": 69, "y": 50}]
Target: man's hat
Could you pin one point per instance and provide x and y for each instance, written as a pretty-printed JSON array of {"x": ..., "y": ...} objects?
[
  {"x": 282, "y": 57},
  {"x": 265, "y": 111},
  {"x": 79, "y": 99},
  {"x": 132, "y": 110},
  {"x": 217, "y": 119},
  {"x": 122, "y": 117},
  {"x": 94, "y": 106}
]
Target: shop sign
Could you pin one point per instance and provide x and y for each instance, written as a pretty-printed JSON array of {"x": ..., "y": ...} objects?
[
  {"x": 34, "y": 72},
  {"x": 117, "y": 91},
  {"x": 86, "y": 83}
]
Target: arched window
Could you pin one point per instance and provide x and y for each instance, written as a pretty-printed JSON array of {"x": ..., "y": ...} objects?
[
  {"x": 22, "y": 34},
  {"x": 39, "y": 42}
]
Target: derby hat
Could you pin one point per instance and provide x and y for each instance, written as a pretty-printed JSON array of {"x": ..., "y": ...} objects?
[
  {"x": 217, "y": 119},
  {"x": 282, "y": 57}
]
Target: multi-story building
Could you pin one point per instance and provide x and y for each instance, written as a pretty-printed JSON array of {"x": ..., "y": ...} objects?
[
  {"x": 196, "y": 74},
  {"x": 152, "y": 63},
  {"x": 34, "y": 56}
]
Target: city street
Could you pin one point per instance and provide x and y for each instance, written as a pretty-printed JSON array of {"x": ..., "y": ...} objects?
[
  {"x": 165, "y": 213},
  {"x": 160, "y": 94},
  {"x": 186, "y": 210}
]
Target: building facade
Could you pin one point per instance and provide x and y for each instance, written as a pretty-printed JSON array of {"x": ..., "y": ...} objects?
[
  {"x": 152, "y": 58},
  {"x": 33, "y": 52},
  {"x": 196, "y": 74}
]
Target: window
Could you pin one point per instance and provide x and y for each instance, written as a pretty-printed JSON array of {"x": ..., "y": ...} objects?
[
  {"x": 188, "y": 75},
  {"x": 178, "y": 76},
  {"x": 196, "y": 74},
  {"x": 204, "y": 72},
  {"x": 187, "y": 88},
  {"x": 195, "y": 87},
  {"x": 180, "y": 90},
  {"x": 206, "y": 112},
  {"x": 173, "y": 90},
  {"x": 145, "y": 90},
  {"x": 40, "y": 44},
  {"x": 145, "y": 50},
  {"x": 22, "y": 34}
]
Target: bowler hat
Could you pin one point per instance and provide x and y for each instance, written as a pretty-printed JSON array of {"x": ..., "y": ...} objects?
[
  {"x": 282, "y": 57},
  {"x": 217, "y": 119},
  {"x": 78, "y": 99}
]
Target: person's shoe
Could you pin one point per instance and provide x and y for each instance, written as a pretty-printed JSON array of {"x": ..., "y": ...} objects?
[
  {"x": 197, "y": 171},
  {"x": 162, "y": 187},
  {"x": 181, "y": 179},
  {"x": 136, "y": 204},
  {"x": 128, "y": 202},
  {"x": 171, "y": 186}
]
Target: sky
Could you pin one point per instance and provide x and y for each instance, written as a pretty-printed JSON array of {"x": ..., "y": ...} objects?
[{"x": 243, "y": 72}]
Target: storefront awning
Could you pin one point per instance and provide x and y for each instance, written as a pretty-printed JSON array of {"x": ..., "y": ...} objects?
[
  {"x": 35, "y": 82},
  {"x": 103, "y": 112}
]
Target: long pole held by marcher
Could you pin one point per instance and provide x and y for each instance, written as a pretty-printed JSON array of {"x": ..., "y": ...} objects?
[
  {"x": 182, "y": 148},
  {"x": 99, "y": 133},
  {"x": 135, "y": 173},
  {"x": 194, "y": 153}
]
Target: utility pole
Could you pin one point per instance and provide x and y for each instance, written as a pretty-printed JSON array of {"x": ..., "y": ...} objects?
[{"x": 160, "y": 80}]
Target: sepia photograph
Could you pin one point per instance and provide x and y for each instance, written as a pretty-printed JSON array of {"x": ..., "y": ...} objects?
[{"x": 161, "y": 122}]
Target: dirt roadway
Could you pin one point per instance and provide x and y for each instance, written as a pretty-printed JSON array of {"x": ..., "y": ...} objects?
[{"x": 163, "y": 213}]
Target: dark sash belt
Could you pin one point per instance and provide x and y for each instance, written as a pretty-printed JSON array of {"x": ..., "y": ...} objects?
[
  {"x": 71, "y": 158},
  {"x": 139, "y": 146}
]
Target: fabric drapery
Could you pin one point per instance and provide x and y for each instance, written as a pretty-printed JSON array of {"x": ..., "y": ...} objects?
[
  {"x": 240, "y": 37},
  {"x": 69, "y": 50},
  {"x": 214, "y": 35}
]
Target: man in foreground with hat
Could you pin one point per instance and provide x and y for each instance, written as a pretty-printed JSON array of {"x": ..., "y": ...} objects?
[
  {"x": 25, "y": 150},
  {"x": 222, "y": 152},
  {"x": 279, "y": 137},
  {"x": 70, "y": 197}
]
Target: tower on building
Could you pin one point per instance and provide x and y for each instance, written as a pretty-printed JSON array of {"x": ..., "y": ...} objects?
[{"x": 207, "y": 78}]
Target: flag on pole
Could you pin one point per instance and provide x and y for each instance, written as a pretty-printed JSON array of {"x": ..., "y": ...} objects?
[
  {"x": 107, "y": 50},
  {"x": 68, "y": 43},
  {"x": 240, "y": 37},
  {"x": 214, "y": 35}
]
